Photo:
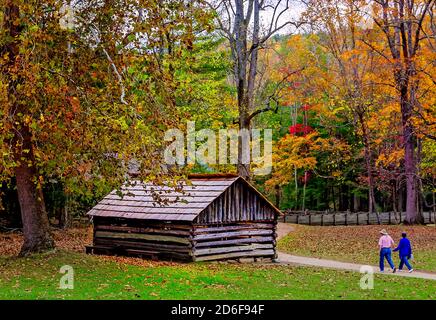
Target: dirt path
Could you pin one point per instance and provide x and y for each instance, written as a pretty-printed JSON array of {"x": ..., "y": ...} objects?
[
  {"x": 283, "y": 229},
  {"x": 284, "y": 258}
]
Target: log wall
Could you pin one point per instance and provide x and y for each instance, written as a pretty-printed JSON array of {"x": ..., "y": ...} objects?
[
  {"x": 155, "y": 240},
  {"x": 233, "y": 241},
  {"x": 184, "y": 242},
  {"x": 237, "y": 203}
]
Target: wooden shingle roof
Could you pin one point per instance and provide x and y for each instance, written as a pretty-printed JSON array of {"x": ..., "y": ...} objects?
[{"x": 137, "y": 201}]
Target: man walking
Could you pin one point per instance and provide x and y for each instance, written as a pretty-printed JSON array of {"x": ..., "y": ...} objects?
[
  {"x": 405, "y": 252},
  {"x": 385, "y": 244}
]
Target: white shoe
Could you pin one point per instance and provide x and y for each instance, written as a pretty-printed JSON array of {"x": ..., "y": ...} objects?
[
  {"x": 411, "y": 270},
  {"x": 400, "y": 270}
]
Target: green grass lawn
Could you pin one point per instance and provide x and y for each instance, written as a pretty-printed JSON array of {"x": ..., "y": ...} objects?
[
  {"x": 358, "y": 244},
  {"x": 97, "y": 277}
]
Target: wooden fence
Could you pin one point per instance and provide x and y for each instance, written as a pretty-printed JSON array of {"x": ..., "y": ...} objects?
[{"x": 350, "y": 218}]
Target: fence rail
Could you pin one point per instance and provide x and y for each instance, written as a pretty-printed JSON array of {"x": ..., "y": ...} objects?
[{"x": 350, "y": 218}]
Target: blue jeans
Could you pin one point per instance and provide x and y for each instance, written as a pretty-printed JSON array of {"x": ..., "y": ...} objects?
[
  {"x": 404, "y": 261},
  {"x": 386, "y": 253}
]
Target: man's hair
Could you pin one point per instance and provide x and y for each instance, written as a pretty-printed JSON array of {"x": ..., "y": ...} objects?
[{"x": 404, "y": 234}]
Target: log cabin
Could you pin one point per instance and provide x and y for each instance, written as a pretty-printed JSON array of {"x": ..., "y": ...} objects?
[{"x": 213, "y": 217}]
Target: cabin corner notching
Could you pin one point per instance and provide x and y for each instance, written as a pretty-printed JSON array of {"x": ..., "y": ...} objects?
[{"x": 218, "y": 217}]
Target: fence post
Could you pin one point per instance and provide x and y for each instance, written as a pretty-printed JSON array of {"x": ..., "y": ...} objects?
[
  {"x": 357, "y": 218},
  {"x": 334, "y": 219},
  {"x": 390, "y": 222},
  {"x": 310, "y": 219},
  {"x": 322, "y": 219},
  {"x": 298, "y": 218}
]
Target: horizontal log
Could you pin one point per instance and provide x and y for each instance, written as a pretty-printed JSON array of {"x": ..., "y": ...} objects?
[
  {"x": 198, "y": 229},
  {"x": 151, "y": 237},
  {"x": 234, "y": 241},
  {"x": 141, "y": 223},
  {"x": 232, "y": 234},
  {"x": 160, "y": 255},
  {"x": 232, "y": 255},
  {"x": 144, "y": 245},
  {"x": 162, "y": 231},
  {"x": 96, "y": 249},
  {"x": 251, "y": 247}
]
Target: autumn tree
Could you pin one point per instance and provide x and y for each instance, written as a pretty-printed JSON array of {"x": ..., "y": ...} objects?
[
  {"x": 83, "y": 99},
  {"x": 341, "y": 26},
  {"x": 408, "y": 28},
  {"x": 248, "y": 30}
]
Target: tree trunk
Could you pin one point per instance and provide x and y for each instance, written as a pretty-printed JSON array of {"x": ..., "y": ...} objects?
[
  {"x": 409, "y": 152},
  {"x": 36, "y": 228},
  {"x": 277, "y": 195},
  {"x": 245, "y": 60},
  {"x": 244, "y": 127},
  {"x": 409, "y": 162},
  {"x": 367, "y": 153},
  {"x": 303, "y": 205},
  {"x": 64, "y": 216}
]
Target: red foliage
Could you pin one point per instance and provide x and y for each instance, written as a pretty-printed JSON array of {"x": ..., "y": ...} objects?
[
  {"x": 306, "y": 177},
  {"x": 300, "y": 129}
]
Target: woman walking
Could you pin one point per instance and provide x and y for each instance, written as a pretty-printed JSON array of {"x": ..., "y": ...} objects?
[
  {"x": 385, "y": 244},
  {"x": 405, "y": 251}
]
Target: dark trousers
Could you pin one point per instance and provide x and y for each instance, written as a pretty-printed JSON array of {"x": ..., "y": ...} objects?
[
  {"x": 404, "y": 261},
  {"x": 386, "y": 253}
]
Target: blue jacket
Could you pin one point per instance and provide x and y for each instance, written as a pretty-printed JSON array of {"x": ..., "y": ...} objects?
[{"x": 404, "y": 247}]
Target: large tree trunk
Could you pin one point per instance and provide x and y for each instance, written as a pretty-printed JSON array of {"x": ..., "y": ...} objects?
[
  {"x": 245, "y": 74},
  {"x": 36, "y": 229},
  {"x": 410, "y": 172},
  {"x": 241, "y": 78},
  {"x": 409, "y": 149},
  {"x": 243, "y": 167}
]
